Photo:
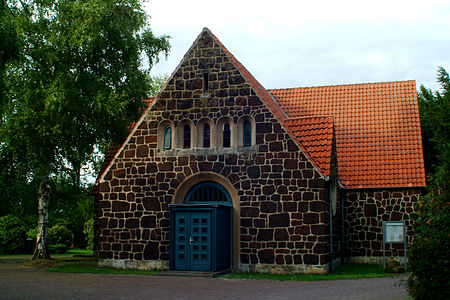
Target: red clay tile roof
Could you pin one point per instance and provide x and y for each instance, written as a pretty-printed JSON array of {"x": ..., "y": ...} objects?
[
  {"x": 316, "y": 134},
  {"x": 377, "y": 127}
]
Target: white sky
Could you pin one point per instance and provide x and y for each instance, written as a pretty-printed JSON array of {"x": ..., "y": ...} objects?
[{"x": 288, "y": 43}]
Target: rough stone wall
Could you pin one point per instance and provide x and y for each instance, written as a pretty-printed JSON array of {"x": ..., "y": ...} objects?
[
  {"x": 283, "y": 203},
  {"x": 365, "y": 212}
]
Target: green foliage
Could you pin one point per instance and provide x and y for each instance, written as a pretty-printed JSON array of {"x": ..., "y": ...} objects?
[
  {"x": 71, "y": 205},
  {"x": 394, "y": 266},
  {"x": 13, "y": 234},
  {"x": 156, "y": 83},
  {"x": 57, "y": 248},
  {"x": 429, "y": 254},
  {"x": 89, "y": 233},
  {"x": 59, "y": 234},
  {"x": 31, "y": 233},
  {"x": 17, "y": 192},
  {"x": 434, "y": 111},
  {"x": 75, "y": 82},
  {"x": 9, "y": 46}
]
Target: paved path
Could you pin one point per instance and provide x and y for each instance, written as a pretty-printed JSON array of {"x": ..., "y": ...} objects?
[{"x": 19, "y": 282}]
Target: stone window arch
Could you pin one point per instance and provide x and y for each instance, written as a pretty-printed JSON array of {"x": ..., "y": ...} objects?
[
  {"x": 166, "y": 136},
  {"x": 205, "y": 134},
  {"x": 186, "y": 134},
  {"x": 246, "y": 131},
  {"x": 225, "y": 133}
]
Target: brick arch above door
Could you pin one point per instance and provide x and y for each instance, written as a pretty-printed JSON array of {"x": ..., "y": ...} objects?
[{"x": 188, "y": 183}]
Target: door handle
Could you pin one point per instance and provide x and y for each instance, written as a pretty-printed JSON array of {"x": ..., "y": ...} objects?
[{"x": 190, "y": 240}]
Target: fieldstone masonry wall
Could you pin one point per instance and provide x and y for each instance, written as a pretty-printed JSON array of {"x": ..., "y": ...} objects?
[
  {"x": 283, "y": 203},
  {"x": 365, "y": 212}
]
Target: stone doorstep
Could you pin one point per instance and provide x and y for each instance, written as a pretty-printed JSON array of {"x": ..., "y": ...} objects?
[{"x": 172, "y": 273}]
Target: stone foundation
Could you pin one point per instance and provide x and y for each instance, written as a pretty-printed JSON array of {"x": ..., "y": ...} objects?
[
  {"x": 374, "y": 260},
  {"x": 284, "y": 269},
  {"x": 134, "y": 264}
]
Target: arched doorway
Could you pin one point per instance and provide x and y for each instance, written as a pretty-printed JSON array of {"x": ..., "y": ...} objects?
[{"x": 201, "y": 229}]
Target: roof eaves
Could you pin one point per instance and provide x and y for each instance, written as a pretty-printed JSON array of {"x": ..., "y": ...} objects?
[{"x": 136, "y": 126}]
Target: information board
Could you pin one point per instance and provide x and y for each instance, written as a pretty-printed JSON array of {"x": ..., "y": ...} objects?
[{"x": 394, "y": 232}]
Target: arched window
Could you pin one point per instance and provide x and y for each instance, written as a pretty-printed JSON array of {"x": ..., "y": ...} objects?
[
  {"x": 247, "y": 134},
  {"x": 186, "y": 136},
  {"x": 167, "y": 138},
  {"x": 209, "y": 192},
  {"x": 226, "y": 135},
  {"x": 206, "y": 136}
]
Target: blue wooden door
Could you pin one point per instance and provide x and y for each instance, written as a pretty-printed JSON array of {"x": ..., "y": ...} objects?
[
  {"x": 200, "y": 241},
  {"x": 193, "y": 240}
]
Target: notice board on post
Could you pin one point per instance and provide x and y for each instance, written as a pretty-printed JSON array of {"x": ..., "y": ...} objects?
[{"x": 394, "y": 232}]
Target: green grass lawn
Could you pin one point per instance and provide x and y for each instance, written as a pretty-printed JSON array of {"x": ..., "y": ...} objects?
[
  {"x": 21, "y": 258},
  {"x": 90, "y": 266},
  {"x": 70, "y": 263},
  {"x": 75, "y": 252},
  {"x": 341, "y": 272}
]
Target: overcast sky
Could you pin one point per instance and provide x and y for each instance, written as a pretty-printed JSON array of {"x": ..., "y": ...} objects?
[{"x": 287, "y": 43}]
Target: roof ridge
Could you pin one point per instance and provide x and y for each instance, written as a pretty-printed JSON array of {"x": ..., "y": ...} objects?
[{"x": 342, "y": 85}]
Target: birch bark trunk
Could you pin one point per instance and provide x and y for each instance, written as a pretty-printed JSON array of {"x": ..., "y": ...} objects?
[{"x": 41, "y": 250}]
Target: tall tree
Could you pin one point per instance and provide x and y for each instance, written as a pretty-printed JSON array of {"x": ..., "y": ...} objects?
[
  {"x": 434, "y": 108},
  {"x": 79, "y": 82},
  {"x": 429, "y": 254},
  {"x": 9, "y": 45}
]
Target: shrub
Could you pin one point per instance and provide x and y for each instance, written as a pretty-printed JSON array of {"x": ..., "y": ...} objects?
[
  {"x": 13, "y": 234},
  {"x": 57, "y": 248},
  {"x": 59, "y": 234},
  {"x": 429, "y": 255},
  {"x": 89, "y": 233},
  {"x": 32, "y": 233},
  {"x": 394, "y": 266}
]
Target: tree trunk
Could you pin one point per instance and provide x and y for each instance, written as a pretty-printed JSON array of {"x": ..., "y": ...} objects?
[{"x": 41, "y": 250}]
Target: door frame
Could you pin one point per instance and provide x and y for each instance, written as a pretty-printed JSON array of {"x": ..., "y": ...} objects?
[{"x": 188, "y": 183}]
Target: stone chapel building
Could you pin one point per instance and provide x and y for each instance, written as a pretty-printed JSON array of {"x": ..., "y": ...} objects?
[{"x": 220, "y": 173}]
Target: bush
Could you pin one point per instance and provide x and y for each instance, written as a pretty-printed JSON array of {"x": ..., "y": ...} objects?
[
  {"x": 13, "y": 234},
  {"x": 89, "y": 233},
  {"x": 429, "y": 255},
  {"x": 394, "y": 266},
  {"x": 32, "y": 234},
  {"x": 59, "y": 234},
  {"x": 57, "y": 248}
]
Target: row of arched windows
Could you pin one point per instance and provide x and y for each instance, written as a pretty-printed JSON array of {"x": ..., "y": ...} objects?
[{"x": 206, "y": 134}]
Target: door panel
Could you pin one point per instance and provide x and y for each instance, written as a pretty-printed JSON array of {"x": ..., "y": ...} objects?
[
  {"x": 181, "y": 240},
  {"x": 200, "y": 248},
  {"x": 193, "y": 241}
]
